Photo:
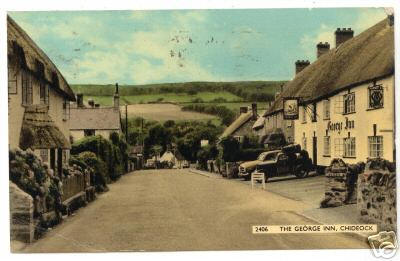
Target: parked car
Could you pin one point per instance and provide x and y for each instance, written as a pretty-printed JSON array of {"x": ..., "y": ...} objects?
[
  {"x": 246, "y": 168},
  {"x": 291, "y": 160},
  {"x": 185, "y": 165},
  {"x": 150, "y": 164},
  {"x": 275, "y": 141}
]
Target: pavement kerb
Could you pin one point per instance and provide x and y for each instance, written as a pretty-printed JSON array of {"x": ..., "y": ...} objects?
[{"x": 358, "y": 235}]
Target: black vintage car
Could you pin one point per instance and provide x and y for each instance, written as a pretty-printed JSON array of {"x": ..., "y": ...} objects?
[{"x": 291, "y": 160}]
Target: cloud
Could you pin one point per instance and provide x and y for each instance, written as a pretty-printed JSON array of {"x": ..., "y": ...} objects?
[{"x": 161, "y": 54}]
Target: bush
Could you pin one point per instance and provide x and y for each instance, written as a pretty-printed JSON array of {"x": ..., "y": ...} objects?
[
  {"x": 113, "y": 153},
  {"x": 90, "y": 160}
]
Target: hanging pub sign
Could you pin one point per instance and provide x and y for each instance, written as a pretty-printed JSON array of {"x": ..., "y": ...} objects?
[
  {"x": 291, "y": 108},
  {"x": 375, "y": 96}
]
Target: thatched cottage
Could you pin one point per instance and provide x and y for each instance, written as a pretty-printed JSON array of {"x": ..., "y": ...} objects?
[
  {"x": 243, "y": 124},
  {"x": 347, "y": 98},
  {"x": 38, "y": 100},
  {"x": 92, "y": 119}
]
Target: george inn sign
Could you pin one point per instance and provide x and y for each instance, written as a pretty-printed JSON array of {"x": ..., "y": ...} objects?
[{"x": 339, "y": 126}]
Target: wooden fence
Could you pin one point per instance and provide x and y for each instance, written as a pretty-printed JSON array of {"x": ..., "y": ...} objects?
[{"x": 72, "y": 185}]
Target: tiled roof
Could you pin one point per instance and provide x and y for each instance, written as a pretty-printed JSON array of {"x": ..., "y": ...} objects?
[{"x": 103, "y": 118}]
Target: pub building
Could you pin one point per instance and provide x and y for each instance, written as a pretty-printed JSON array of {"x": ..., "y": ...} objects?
[{"x": 346, "y": 98}]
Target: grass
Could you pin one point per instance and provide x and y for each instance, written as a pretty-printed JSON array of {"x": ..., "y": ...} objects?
[
  {"x": 235, "y": 106},
  {"x": 166, "y": 97}
]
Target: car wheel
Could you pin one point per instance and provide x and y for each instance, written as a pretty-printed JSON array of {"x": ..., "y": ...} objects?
[{"x": 301, "y": 173}]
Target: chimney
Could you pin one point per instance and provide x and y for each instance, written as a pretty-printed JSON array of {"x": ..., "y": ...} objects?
[
  {"x": 322, "y": 48},
  {"x": 116, "y": 97},
  {"x": 79, "y": 100},
  {"x": 301, "y": 64},
  {"x": 277, "y": 95},
  {"x": 254, "y": 111},
  {"x": 97, "y": 105},
  {"x": 342, "y": 35},
  {"x": 91, "y": 102},
  {"x": 243, "y": 109}
]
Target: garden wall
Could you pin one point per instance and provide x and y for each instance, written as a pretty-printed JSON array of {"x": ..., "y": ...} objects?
[
  {"x": 21, "y": 215},
  {"x": 376, "y": 195}
]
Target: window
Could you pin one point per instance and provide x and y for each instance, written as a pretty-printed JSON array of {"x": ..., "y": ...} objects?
[
  {"x": 327, "y": 146},
  {"x": 27, "y": 97},
  {"x": 44, "y": 155},
  {"x": 349, "y": 147},
  {"x": 304, "y": 114},
  {"x": 375, "y": 145},
  {"x": 314, "y": 112},
  {"x": 327, "y": 109},
  {"x": 375, "y": 97},
  {"x": 349, "y": 103},
  {"x": 304, "y": 143},
  {"x": 338, "y": 147},
  {"x": 66, "y": 109},
  {"x": 89, "y": 133},
  {"x": 339, "y": 104},
  {"x": 44, "y": 93},
  {"x": 12, "y": 81}
]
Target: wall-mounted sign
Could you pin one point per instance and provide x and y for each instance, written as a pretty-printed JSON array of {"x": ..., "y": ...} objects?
[
  {"x": 290, "y": 108},
  {"x": 339, "y": 126},
  {"x": 375, "y": 96}
]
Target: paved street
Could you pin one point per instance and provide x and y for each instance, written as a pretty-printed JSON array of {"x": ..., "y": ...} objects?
[{"x": 156, "y": 210}]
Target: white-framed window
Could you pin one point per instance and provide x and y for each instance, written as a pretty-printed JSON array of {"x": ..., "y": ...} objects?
[
  {"x": 27, "y": 95},
  {"x": 327, "y": 146},
  {"x": 289, "y": 123},
  {"x": 327, "y": 109},
  {"x": 375, "y": 146},
  {"x": 12, "y": 81},
  {"x": 349, "y": 147},
  {"x": 313, "y": 112},
  {"x": 304, "y": 114},
  {"x": 304, "y": 143},
  {"x": 44, "y": 93},
  {"x": 338, "y": 146},
  {"x": 349, "y": 103},
  {"x": 66, "y": 109},
  {"x": 338, "y": 108},
  {"x": 44, "y": 155}
]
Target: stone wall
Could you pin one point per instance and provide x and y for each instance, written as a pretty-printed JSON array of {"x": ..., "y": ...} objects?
[
  {"x": 376, "y": 194},
  {"x": 340, "y": 184},
  {"x": 21, "y": 215}
]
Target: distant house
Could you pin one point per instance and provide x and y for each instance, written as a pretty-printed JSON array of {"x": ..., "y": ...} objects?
[
  {"x": 243, "y": 125},
  {"x": 91, "y": 119},
  {"x": 173, "y": 157},
  {"x": 38, "y": 100}
]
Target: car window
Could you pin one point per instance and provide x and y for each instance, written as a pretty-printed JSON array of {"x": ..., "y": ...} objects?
[
  {"x": 270, "y": 156},
  {"x": 282, "y": 157}
]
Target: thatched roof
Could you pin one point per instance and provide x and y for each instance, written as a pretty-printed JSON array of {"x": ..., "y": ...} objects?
[
  {"x": 366, "y": 57},
  {"x": 239, "y": 122},
  {"x": 102, "y": 118},
  {"x": 39, "y": 130},
  {"x": 34, "y": 59}
]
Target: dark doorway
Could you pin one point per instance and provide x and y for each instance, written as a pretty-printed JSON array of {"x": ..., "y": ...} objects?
[
  {"x": 315, "y": 155},
  {"x": 53, "y": 159},
  {"x": 59, "y": 162}
]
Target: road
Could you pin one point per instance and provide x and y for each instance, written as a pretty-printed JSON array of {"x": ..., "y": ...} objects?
[{"x": 166, "y": 210}]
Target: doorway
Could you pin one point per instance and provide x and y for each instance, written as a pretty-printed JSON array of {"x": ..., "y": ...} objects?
[{"x": 315, "y": 155}]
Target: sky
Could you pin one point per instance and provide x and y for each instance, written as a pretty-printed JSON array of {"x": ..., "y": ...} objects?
[{"x": 145, "y": 47}]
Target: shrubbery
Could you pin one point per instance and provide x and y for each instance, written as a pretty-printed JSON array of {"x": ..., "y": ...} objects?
[
  {"x": 113, "y": 153},
  {"x": 89, "y": 160}
]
